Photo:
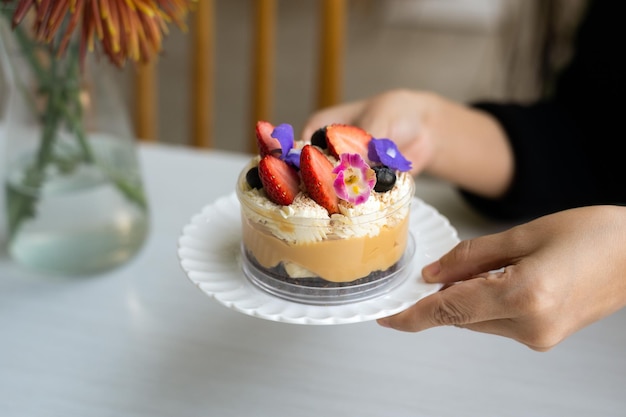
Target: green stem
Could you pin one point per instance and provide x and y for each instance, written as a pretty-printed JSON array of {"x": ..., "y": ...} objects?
[
  {"x": 23, "y": 204},
  {"x": 75, "y": 119}
]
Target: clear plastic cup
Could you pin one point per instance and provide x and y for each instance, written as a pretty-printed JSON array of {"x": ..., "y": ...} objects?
[{"x": 309, "y": 259}]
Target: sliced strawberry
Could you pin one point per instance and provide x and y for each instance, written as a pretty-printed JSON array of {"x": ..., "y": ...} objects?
[
  {"x": 317, "y": 176},
  {"x": 347, "y": 139},
  {"x": 267, "y": 144},
  {"x": 280, "y": 180}
]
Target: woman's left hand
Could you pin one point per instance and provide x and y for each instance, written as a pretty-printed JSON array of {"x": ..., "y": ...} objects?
[{"x": 553, "y": 276}]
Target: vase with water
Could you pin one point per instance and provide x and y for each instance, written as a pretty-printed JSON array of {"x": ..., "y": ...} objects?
[{"x": 74, "y": 197}]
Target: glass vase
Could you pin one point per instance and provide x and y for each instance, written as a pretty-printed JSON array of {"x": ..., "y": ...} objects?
[{"x": 74, "y": 199}]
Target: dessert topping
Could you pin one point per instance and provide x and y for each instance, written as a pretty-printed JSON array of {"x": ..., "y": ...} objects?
[
  {"x": 284, "y": 134},
  {"x": 355, "y": 179},
  {"x": 280, "y": 180},
  {"x": 347, "y": 139},
  {"x": 318, "y": 138},
  {"x": 385, "y": 178},
  {"x": 253, "y": 179},
  {"x": 386, "y": 152},
  {"x": 352, "y": 180},
  {"x": 266, "y": 143},
  {"x": 318, "y": 178}
]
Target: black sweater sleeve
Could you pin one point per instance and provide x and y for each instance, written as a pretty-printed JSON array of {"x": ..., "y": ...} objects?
[
  {"x": 569, "y": 150},
  {"x": 551, "y": 171}
]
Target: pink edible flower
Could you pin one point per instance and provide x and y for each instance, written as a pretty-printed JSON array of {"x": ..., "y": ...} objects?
[{"x": 355, "y": 179}]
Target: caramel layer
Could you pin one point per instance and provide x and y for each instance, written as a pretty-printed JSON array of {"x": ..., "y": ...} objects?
[{"x": 336, "y": 260}]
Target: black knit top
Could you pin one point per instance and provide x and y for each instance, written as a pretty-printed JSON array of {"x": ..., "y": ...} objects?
[{"x": 570, "y": 150}]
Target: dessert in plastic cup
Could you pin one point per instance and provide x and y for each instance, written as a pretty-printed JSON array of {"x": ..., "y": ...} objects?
[{"x": 327, "y": 221}]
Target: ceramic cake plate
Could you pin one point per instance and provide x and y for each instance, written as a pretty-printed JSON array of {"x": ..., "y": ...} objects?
[{"x": 209, "y": 250}]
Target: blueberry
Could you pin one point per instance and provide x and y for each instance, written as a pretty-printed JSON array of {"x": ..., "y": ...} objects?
[
  {"x": 385, "y": 178},
  {"x": 253, "y": 178},
  {"x": 318, "y": 138}
]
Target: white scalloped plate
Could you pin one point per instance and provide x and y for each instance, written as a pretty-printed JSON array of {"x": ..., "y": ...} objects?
[{"x": 209, "y": 253}]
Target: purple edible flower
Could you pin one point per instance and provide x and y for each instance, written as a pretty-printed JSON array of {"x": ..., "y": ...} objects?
[
  {"x": 284, "y": 134},
  {"x": 293, "y": 157},
  {"x": 386, "y": 152}
]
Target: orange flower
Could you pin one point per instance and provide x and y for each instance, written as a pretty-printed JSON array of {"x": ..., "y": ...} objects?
[{"x": 123, "y": 29}]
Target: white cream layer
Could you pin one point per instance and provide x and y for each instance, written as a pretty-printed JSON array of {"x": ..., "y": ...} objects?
[{"x": 353, "y": 220}]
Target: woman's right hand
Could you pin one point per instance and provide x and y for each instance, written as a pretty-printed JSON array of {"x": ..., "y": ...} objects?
[{"x": 444, "y": 138}]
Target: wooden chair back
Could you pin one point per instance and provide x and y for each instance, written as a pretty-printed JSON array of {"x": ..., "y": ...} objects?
[{"x": 331, "y": 38}]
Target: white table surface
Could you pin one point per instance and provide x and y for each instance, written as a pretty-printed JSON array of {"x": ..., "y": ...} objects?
[{"x": 144, "y": 341}]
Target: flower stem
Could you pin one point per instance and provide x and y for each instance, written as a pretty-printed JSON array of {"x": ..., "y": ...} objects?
[{"x": 22, "y": 204}]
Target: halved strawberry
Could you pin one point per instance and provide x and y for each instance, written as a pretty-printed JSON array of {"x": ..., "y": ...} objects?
[
  {"x": 280, "y": 180},
  {"x": 317, "y": 176},
  {"x": 267, "y": 144},
  {"x": 347, "y": 139}
]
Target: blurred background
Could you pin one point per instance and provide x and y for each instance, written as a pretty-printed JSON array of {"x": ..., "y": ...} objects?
[{"x": 453, "y": 47}]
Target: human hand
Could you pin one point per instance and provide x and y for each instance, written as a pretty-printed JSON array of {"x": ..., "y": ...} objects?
[
  {"x": 395, "y": 115},
  {"x": 447, "y": 139},
  {"x": 554, "y": 276}
]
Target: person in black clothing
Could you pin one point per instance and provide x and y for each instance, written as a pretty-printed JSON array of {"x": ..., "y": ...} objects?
[{"x": 554, "y": 166}]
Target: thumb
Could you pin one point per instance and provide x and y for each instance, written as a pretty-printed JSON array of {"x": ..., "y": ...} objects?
[
  {"x": 472, "y": 257},
  {"x": 461, "y": 304}
]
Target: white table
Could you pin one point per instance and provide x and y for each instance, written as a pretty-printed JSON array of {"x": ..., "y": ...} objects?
[{"x": 144, "y": 341}]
